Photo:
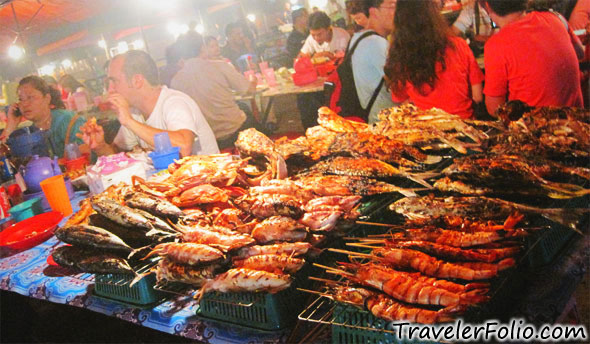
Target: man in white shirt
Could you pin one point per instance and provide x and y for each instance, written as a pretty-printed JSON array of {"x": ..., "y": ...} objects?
[
  {"x": 133, "y": 83},
  {"x": 468, "y": 20},
  {"x": 324, "y": 39}
]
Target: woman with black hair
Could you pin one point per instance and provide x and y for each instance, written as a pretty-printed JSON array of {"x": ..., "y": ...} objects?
[
  {"x": 42, "y": 104},
  {"x": 428, "y": 65}
]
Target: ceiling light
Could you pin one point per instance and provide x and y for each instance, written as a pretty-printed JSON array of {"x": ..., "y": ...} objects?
[
  {"x": 15, "y": 52},
  {"x": 67, "y": 63}
]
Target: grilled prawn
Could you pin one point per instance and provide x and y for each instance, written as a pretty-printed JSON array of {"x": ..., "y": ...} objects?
[
  {"x": 455, "y": 238},
  {"x": 456, "y": 253},
  {"x": 167, "y": 270},
  {"x": 387, "y": 308},
  {"x": 409, "y": 288},
  {"x": 202, "y": 235},
  {"x": 431, "y": 266}
]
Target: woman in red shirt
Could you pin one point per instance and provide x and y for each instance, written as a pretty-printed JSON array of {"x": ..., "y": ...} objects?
[{"x": 428, "y": 65}]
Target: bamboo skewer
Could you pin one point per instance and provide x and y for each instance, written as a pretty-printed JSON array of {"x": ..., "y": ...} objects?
[
  {"x": 351, "y": 253},
  {"x": 333, "y": 270},
  {"x": 327, "y": 281},
  {"x": 361, "y": 245},
  {"x": 374, "y": 224}
]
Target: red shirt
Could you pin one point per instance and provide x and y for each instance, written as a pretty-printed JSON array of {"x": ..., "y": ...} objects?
[
  {"x": 452, "y": 89},
  {"x": 533, "y": 60}
]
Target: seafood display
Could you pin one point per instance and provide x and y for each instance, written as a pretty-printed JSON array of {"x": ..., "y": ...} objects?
[{"x": 251, "y": 223}]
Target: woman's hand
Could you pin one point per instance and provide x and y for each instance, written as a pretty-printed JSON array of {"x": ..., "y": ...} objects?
[
  {"x": 92, "y": 134},
  {"x": 12, "y": 120}
]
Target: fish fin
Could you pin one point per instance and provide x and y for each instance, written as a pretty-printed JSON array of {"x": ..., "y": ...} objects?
[
  {"x": 565, "y": 191},
  {"x": 432, "y": 159},
  {"x": 418, "y": 178}
]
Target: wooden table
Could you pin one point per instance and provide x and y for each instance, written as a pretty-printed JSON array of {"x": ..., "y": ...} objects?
[{"x": 281, "y": 90}]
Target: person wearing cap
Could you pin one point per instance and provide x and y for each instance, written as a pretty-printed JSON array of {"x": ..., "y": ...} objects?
[
  {"x": 299, "y": 34},
  {"x": 134, "y": 84}
]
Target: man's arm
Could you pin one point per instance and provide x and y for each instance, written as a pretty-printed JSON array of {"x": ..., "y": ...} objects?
[
  {"x": 182, "y": 138},
  {"x": 492, "y": 103}
]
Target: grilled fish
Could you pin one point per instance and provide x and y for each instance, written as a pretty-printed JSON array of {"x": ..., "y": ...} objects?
[
  {"x": 431, "y": 208},
  {"x": 517, "y": 174},
  {"x": 366, "y": 167},
  {"x": 90, "y": 261},
  {"x": 120, "y": 214},
  {"x": 347, "y": 186},
  {"x": 93, "y": 237},
  {"x": 156, "y": 206},
  {"x": 132, "y": 237}
]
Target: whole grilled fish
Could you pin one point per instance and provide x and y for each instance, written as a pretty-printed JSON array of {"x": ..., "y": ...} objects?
[
  {"x": 121, "y": 214},
  {"x": 153, "y": 205},
  {"x": 430, "y": 208},
  {"x": 130, "y": 236},
  {"x": 90, "y": 261},
  {"x": 93, "y": 237},
  {"x": 365, "y": 167}
]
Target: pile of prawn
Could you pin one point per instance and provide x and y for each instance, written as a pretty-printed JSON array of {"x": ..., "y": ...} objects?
[{"x": 427, "y": 274}]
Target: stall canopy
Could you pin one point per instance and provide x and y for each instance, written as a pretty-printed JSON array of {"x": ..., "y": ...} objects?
[{"x": 22, "y": 19}]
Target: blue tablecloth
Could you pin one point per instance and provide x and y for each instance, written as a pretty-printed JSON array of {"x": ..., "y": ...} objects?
[{"x": 28, "y": 273}]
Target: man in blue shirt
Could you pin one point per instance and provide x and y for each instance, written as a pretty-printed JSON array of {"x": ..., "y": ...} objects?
[{"x": 370, "y": 55}]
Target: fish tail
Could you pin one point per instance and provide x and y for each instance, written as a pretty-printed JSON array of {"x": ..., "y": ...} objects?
[
  {"x": 420, "y": 178},
  {"x": 565, "y": 191}
]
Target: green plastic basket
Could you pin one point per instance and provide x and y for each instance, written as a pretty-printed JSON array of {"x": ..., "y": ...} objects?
[
  {"x": 352, "y": 325},
  {"x": 116, "y": 287},
  {"x": 544, "y": 247},
  {"x": 257, "y": 310}
]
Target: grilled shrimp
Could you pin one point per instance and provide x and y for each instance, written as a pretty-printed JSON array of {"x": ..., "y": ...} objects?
[
  {"x": 456, "y": 253},
  {"x": 279, "y": 228},
  {"x": 271, "y": 263},
  {"x": 386, "y": 308},
  {"x": 466, "y": 225},
  {"x": 455, "y": 238},
  {"x": 431, "y": 266},
  {"x": 291, "y": 249},
  {"x": 266, "y": 205},
  {"x": 187, "y": 253},
  {"x": 242, "y": 280},
  {"x": 408, "y": 288}
]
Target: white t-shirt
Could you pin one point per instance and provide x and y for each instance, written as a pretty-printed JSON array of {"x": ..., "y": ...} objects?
[
  {"x": 466, "y": 20},
  {"x": 339, "y": 42},
  {"x": 174, "y": 110}
]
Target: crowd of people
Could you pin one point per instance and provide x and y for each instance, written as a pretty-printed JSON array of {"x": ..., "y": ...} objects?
[{"x": 531, "y": 56}]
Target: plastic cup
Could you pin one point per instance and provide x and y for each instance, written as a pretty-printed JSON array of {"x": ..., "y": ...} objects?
[
  {"x": 56, "y": 193},
  {"x": 162, "y": 143},
  {"x": 269, "y": 75},
  {"x": 263, "y": 66},
  {"x": 72, "y": 151}
]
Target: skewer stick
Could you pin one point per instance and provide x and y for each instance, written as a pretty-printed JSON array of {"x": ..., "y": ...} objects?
[
  {"x": 325, "y": 280},
  {"x": 370, "y": 240},
  {"x": 333, "y": 270},
  {"x": 351, "y": 253},
  {"x": 361, "y": 245},
  {"x": 316, "y": 292},
  {"x": 374, "y": 224}
]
